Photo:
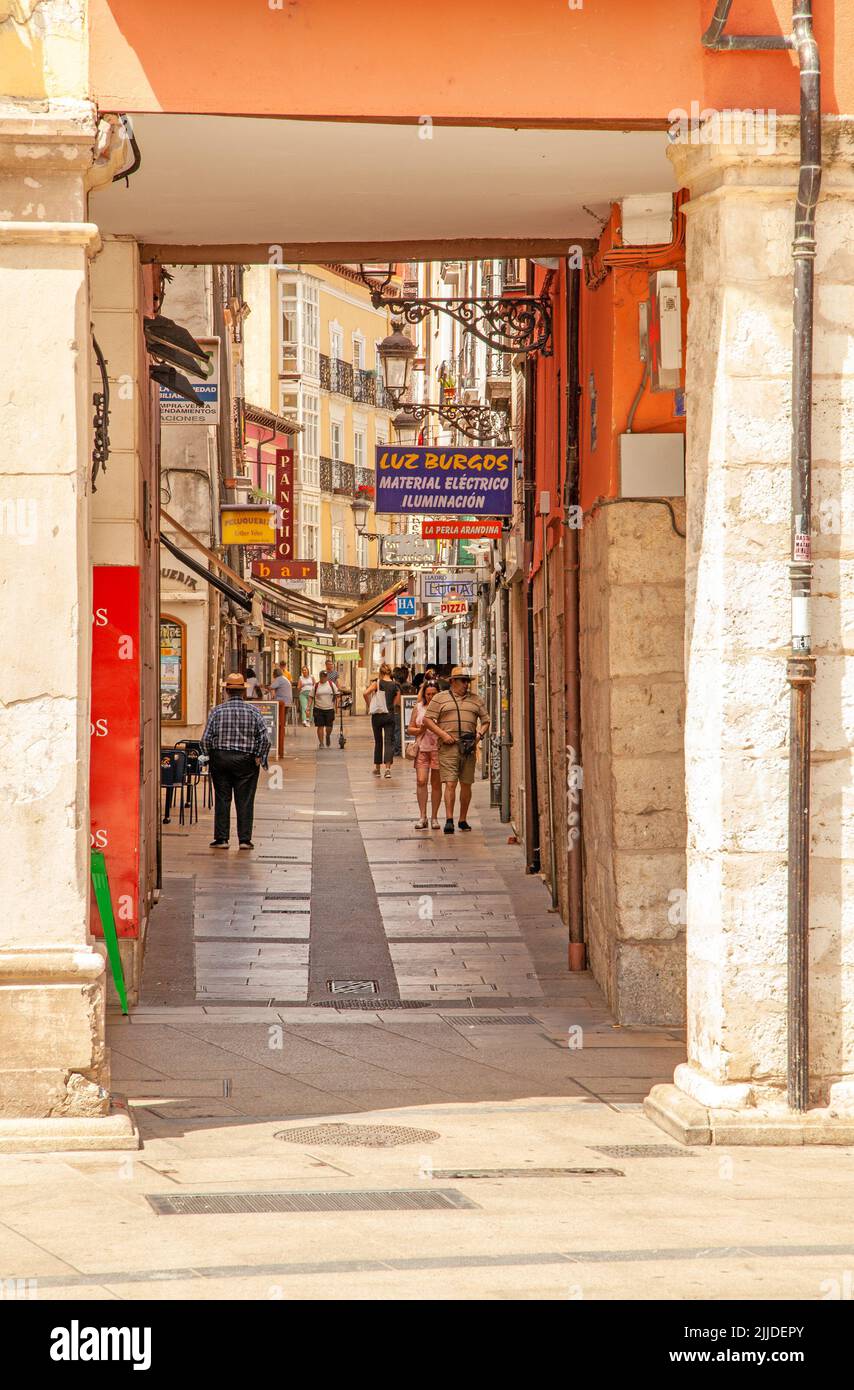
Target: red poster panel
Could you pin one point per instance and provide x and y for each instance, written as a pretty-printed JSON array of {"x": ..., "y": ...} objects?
[
  {"x": 285, "y": 504},
  {"x": 114, "y": 771}
]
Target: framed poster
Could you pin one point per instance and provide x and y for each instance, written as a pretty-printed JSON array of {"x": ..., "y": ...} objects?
[{"x": 173, "y": 670}]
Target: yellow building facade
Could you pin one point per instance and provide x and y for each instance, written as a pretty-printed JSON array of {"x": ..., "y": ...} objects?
[{"x": 311, "y": 353}]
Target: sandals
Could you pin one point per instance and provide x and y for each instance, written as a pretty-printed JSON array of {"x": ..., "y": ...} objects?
[
  {"x": 434, "y": 824},
  {"x": 421, "y": 825}
]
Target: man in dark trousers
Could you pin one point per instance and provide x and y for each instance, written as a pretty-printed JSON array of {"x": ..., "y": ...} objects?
[{"x": 237, "y": 743}]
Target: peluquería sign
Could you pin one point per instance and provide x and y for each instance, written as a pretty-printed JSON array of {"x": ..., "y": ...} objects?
[{"x": 432, "y": 481}]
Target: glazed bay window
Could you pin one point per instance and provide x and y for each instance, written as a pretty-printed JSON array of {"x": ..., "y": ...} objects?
[
  {"x": 309, "y": 441},
  {"x": 337, "y": 545},
  {"x": 309, "y": 530},
  {"x": 299, "y": 327},
  {"x": 359, "y": 449}
]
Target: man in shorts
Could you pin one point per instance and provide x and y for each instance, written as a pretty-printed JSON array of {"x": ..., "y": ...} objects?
[
  {"x": 460, "y": 720},
  {"x": 323, "y": 708}
]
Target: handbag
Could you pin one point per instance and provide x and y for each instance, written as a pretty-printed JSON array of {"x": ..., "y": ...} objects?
[
  {"x": 379, "y": 703},
  {"x": 413, "y": 748}
]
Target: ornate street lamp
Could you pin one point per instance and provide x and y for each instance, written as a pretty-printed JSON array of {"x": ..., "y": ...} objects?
[
  {"x": 509, "y": 323},
  {"x": 480, "y": 423},
  {"x": 396, "y": 354}
]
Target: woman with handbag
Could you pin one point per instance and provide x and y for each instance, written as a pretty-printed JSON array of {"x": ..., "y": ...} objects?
[
  {"x": 381, "y": 699},
  {"x": 424, "y": 751}
]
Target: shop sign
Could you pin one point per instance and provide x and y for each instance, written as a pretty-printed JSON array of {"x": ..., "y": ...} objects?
[
  {"x": 284, "y": 569},
  {"x": 407, "y": 550},
  {"x": 114, "y": 780},
  {"x": 459, "y": 530},
  {"x": 269, "y": 712},
  {"x": 175, "y": 410},
  {"x": 405, "y": 606},
  {"x": 285, "y": 511},
  {"x": 453, "y": 607},
  {"x": 248, "y": 525},
  {"x": 435, "y": 587},
  {"x": 427, "y": 480}
]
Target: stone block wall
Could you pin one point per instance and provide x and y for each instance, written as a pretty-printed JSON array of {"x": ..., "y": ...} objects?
[{"x": 632, "y": 716}]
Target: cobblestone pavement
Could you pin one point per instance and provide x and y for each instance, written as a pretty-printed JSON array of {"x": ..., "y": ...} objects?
[{"x": 525, "y": 1169}]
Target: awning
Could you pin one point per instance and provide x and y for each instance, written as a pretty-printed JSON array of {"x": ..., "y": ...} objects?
[
  {"x": 367, "y": 610},
  {"x": 213, "y": 579},
  {"x": 296, "y": 603}
]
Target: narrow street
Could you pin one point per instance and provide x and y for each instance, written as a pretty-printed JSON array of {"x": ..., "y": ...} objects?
[{"x": 501, "y": 1150}]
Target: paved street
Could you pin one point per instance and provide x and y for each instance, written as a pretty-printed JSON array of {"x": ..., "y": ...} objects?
[{"x": 525, "y": 1168}]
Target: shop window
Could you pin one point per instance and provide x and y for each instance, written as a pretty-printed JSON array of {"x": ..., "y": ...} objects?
[{"x": 173, "y": 670}]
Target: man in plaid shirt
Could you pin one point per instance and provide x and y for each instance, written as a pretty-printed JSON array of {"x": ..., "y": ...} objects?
[{"x": 237, "y": 743}]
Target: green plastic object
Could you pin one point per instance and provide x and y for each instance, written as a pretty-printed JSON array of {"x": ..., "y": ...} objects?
[{"x": 108, "y": 922}]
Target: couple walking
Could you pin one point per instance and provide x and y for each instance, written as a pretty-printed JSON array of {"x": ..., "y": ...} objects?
[{"x": 448, "y": 726}]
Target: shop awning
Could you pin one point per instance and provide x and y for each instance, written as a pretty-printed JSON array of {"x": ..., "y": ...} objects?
[
  {"x": 214, "y": 580},
  {"x": 295, "y": 603},
  {"x": 367, "y": 610}
]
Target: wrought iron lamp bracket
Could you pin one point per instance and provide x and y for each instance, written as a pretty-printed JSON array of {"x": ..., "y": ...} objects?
[
  {"x": 101, "y": 418},
  {"x": 515, "y": 325}
]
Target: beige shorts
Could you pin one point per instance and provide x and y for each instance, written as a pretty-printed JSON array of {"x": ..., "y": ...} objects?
[{"x": 453, "y": 767}]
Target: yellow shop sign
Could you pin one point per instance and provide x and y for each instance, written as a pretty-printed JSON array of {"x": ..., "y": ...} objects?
[{"x": 248, "y": 525}]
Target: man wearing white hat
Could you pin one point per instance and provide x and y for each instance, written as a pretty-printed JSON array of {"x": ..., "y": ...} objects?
[
  {"x": 460, "y": 719},
  {"x": 237, "y": 742}
]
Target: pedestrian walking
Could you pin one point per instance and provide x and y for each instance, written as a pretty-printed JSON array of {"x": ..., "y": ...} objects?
[
  {"x": 253, "y": 685},
  {"x": 237, "y": 743},
  {"x": 382, "y": 698},
  {"x": 426, "y": 758},
  {"x": 323, "y": 708},
  {"x": 332, "y": 671},
  {"x": 282, "y": 691},
  {"x": 459, "y": 719},
  {"x": 305, "y": 689}
]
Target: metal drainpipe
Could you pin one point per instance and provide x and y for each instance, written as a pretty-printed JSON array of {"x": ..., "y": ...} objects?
[
  {"x": 532, "y": 807},
  {"x": 571, "y": 542},
  {"x": 547, "y": 673},
  {"x": 800, "y": 669}
]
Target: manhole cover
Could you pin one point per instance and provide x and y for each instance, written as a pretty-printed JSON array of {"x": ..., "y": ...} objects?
[
  {"x": 352, "y": 986},
  {"x": 358, "y": 1136},
  {"x": 643, "y": 1151}
]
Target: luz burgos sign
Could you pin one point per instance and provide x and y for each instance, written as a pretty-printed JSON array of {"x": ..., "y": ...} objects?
[{"x": 433, "y": 481}]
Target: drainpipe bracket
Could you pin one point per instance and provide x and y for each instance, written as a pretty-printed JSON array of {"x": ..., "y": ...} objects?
[{"x": 800, "y": 670}]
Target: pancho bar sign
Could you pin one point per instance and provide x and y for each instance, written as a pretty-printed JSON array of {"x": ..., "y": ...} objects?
[{"x": 430, "y": 481}]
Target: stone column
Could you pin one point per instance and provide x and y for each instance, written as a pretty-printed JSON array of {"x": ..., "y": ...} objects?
[
  {"x": 740, "y": 228},
  {"x": 54, "y": 1074}
]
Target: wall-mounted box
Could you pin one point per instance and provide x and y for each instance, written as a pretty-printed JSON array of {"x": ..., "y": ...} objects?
[{"x": 652, "y": 465}]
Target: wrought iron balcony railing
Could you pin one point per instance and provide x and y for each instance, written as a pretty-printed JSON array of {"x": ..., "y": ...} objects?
[
  {"x": 336, "y": 375},
  {"x": 337, "y": 476},
  {"x": 352, "y": 581}
]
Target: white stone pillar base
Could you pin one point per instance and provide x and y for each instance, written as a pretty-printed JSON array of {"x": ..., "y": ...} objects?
[
  {"x": 115, "y": 1130},
  {"x": 685, "y": 1119}
]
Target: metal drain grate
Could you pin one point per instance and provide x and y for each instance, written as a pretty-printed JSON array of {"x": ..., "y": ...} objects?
[
  {"x": 357, "y": 1136},
  {"x": 243, "y": 1203},
  {"x": 643, "y": 1151},
  {"x": 475, "y": 1021},
  {"x": 353, "y": 986},
  {"x": 434, "y": 885},
  {"x": 356, "y": 1003},
  {"x": 458, "y": 1174}
]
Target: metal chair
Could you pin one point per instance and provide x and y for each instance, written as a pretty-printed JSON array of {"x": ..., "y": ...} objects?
[{"x": 173, "y": 773}]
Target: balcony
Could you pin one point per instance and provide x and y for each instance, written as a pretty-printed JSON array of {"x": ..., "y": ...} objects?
[
  {"x": 365, "y": 386},
  {"x": 337, "y": 476},
  {"x": 351, "y": 581},
  {"x": 336, "y": 375}
]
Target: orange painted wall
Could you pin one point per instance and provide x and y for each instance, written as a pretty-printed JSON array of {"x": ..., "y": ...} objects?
[
  {"x": 611, "y": 60},
  {"x": 609, "y": 350}
]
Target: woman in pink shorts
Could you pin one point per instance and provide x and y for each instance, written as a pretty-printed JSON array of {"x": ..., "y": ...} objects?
[{"x": 426, "y": 759}]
